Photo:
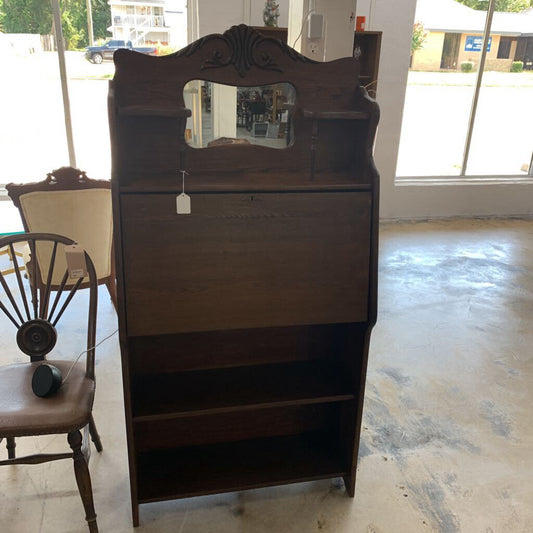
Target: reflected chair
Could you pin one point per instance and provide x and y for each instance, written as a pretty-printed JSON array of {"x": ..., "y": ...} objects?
[
  {"x": 35, "y": 315},
  {"x": 69, "y": 203}
]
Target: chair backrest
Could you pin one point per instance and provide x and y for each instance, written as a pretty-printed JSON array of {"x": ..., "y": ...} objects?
[
  {"x": 34, "y": 311},
  {"x": 69, "y": 203}
]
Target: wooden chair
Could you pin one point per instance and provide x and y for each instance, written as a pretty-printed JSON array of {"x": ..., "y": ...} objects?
[
  {"x": 69, "y": 203},
  {"x": 11, "y": 270},
  {"x": 35, "y": 314}
]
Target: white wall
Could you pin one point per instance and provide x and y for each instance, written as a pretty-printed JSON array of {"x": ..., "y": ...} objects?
[
  {"x": 338, "y": 28},
  {"x": 216, "y": 16},
  {"x": 396, "y": 25}
]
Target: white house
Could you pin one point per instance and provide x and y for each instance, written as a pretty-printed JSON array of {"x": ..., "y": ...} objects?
[{"x": 149, "y": 21}]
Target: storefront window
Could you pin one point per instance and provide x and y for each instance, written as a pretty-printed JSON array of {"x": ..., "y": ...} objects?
[
  {"x": 437, "y": 139},
  {"x": 502, "y": 138},
  {"x": 33, "y": 133}
]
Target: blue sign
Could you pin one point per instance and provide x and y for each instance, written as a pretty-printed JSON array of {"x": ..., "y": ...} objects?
[{"x": 474, "y": 42}]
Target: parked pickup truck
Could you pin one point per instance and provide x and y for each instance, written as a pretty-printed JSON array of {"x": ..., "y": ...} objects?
[{"x": 96, "y": 54}]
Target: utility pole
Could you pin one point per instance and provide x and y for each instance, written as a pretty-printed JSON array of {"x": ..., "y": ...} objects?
[
  {"x": 63, "y": 75},
  {"x": 90, "y": 22}
]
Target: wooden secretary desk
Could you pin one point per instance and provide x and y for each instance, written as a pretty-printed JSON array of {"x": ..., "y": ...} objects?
[{"x": 244, "y": 326}]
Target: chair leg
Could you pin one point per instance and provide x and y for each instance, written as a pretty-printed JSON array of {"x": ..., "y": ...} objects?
[
  {"x": 83, "y": 479},
  {"x": 94, "y": 435},
  {"x": 10, "y": 445}
]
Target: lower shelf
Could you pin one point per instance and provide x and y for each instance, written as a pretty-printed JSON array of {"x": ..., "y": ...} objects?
[
  {"x": 170, "y": 395},
  {"x": 193, "y": 471}
]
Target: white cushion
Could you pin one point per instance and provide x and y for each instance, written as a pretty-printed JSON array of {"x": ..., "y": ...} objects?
[{"x": 82, "y": 215}]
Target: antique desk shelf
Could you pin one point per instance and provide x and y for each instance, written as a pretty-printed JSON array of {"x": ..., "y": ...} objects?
[{"x": 244, "y": 326}]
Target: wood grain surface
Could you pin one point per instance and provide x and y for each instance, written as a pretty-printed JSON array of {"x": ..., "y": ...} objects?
[{"x": 241, "y": 261}]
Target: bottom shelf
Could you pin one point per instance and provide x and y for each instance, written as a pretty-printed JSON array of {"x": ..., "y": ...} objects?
[{"x": 231, "y": 466}]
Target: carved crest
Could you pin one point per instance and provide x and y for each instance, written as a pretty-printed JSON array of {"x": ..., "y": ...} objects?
[{"x": 244, "y": 48}]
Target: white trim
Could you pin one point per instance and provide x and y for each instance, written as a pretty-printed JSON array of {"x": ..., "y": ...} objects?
[
  {"x": 453, "y": 199},
  {"x": 193, "y": 27},
  {"x": 391, "y": 221},
  {"x": 425, "y": 181},
  {"x": 247, "y": 12}
]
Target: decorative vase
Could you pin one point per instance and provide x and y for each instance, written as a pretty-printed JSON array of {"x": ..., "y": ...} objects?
[{"x": 271, "y": 13}]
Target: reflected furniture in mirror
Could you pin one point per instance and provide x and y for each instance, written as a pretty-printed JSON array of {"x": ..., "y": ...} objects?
[
  {"x": 35, "y": 315},
  {"x": 69, "y": 203},
  {"x": 254, "y": 115},
  {"x": 245, "y": 324}
]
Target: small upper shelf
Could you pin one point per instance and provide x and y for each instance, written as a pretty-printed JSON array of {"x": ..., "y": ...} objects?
[
  {"x": 336, "y": 115},
  {"x": 154, "y": 111}
]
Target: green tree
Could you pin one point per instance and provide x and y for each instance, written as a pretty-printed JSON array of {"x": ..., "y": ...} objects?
[
  {"x": 73, "y": 31},
  {"x": 27, "y": 16},
  {"x": 74, "y": 21},
  {"x": 2, "y": 15},
  {"x": 501, "y": 5},
  {"x": 101, "y": 18},
  {"x": 35, "y": 16}
]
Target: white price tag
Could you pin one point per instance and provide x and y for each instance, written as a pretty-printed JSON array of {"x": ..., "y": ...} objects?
[
  {"x": 183, "y": 204},
  {"x": 183, "y": 201},
  {"x": 75, "y": 256}
]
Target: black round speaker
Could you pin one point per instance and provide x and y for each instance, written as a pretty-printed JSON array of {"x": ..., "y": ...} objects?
[
  {"x": 36, "y": 337},
  {"x": 46, "y": 380}
]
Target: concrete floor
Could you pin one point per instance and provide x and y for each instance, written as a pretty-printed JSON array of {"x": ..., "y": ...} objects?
[{"x": 447, "y": 439}]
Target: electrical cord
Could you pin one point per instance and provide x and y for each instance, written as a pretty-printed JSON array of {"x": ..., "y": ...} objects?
[
  {"x": 310, "y": 12},
  {"x": 85, "y": 351}
]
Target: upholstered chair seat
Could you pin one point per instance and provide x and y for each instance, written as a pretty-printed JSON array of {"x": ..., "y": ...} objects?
[{"x": 22, "y": 413}]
